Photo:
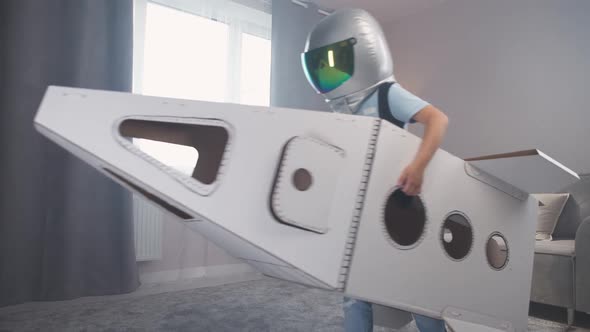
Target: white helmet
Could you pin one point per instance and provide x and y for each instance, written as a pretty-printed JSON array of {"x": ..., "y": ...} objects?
[{"x": 346, "y": 57}]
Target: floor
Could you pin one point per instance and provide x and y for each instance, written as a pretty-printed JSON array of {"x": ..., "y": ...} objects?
[{"x": 259, "y": 304}]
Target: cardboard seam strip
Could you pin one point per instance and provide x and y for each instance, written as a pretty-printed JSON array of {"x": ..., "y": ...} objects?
[
  {"x": 278, "y": 185},
  {"x": 358, "y": 209}
]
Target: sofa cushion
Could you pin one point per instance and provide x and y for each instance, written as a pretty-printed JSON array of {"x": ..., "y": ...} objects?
[
  {"x": 550, "y": 209},
  {"x": 556, "y": 247},
  {"x": 569, "y": 221}
]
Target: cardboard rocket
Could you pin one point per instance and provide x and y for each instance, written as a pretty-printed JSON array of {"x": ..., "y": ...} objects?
[{"x": 311, "y": 197}]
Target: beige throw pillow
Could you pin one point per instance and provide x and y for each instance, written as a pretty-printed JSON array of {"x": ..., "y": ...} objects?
[{"x": 550, "y": 208}]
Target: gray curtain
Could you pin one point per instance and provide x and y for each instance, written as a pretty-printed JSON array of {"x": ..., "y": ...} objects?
[
  {"x": 65, "y": 230},
  {"x": 290, "y": 25}
]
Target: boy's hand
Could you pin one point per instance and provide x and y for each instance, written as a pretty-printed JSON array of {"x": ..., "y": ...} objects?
[
  {"x": 435, "y": 125},
  {"x": 410, "y": 181}
]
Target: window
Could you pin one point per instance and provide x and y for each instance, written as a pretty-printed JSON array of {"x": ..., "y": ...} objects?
[
  {"x": 457, "y": 236},
  {"x": 185, "y": 55},
  {"x": 255, "y": 65},
  {"x": 209, "y": 139},
  {"x": 180, "y": 157},
  {"x": 405, "y": 219},
  {"x": 497, "y": 251},
  {"x": 201, "y": 50}
]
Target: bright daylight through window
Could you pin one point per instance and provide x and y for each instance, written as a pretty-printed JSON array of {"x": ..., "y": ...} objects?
[{"x": 197, "y": 50}]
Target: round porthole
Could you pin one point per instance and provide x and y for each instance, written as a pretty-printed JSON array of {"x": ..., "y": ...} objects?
[
  {"x": 456, "y": 236},
  {"x": 404, "y": 218},
  {"x": 302, "y": 179},
  {"x": 497, "y": 251}
]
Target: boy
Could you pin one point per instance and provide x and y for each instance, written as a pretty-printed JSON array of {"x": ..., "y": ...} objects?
[{"x": 347, "y": 60}]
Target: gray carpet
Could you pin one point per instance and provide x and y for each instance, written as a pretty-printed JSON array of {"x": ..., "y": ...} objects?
[{"x": 260, "y": 305}]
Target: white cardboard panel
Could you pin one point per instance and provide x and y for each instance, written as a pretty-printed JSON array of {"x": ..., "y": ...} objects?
[
  {"x": 533, "y": 173},
  {"x": 424, "y": 279},
  {"x": 237, "y": 247},
  {"x": 86, "y": 121},
  {"x": 286, "y": 273},
  {"x": 308, "y": 208},
  {"x": 355, "y": 251},
  {"x": 463, "y": 320}
]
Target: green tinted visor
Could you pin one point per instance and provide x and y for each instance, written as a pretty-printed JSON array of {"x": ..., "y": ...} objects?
[{"x": 329, "y": 66}]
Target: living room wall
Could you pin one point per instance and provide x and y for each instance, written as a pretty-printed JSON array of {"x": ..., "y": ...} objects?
[{"x": 511, "y": 75}]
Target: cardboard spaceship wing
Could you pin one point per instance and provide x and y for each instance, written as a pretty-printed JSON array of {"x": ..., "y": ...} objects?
[{"x": 311, "y": 197}]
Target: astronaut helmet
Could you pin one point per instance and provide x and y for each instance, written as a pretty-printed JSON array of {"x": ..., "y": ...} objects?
[{"x": 346, "y": 54}]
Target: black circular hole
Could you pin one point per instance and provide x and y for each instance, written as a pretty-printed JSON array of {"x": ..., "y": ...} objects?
[
  {"x": 405, "y": 218},
  {"x": 497, "y": 251},
  {"x": 457, "y": 236},
  {"x": 302, "y": 179}
]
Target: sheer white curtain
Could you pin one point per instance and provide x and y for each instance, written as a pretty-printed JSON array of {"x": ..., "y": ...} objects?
[
  {"x": 202, "y": 50},
  {"x": 211, "y": 50}
]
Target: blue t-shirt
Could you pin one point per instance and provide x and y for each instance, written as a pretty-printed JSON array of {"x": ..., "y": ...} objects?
[{"x": 402, "y": 103}]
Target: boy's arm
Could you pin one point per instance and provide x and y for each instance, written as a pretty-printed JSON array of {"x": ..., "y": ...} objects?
[{"x": 435, "y": 125}]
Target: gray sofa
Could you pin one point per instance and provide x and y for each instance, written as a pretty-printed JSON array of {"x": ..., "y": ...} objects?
[{"x": 561, "y": 272}]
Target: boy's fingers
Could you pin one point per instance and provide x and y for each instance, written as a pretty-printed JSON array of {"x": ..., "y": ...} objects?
[
  {"x": 402, "y": 180},
  {"x": 408, "y": 188},
  {"x": 411, "y": 189}
]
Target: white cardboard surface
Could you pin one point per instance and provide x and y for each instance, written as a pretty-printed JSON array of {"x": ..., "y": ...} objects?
[
  {"x": 85, "y": 122},
  {"x": 309, "y": 209},
  {"x": 536, "y": 173},
  {"x": 345, "y": 245},
  {"x": 424, "y": 279}
]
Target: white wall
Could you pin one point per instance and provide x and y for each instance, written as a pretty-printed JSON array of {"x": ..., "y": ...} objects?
[{"x": 511, "y": 74}]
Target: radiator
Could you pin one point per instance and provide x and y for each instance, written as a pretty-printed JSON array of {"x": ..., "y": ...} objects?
[{"x": 147, "y": 221}]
